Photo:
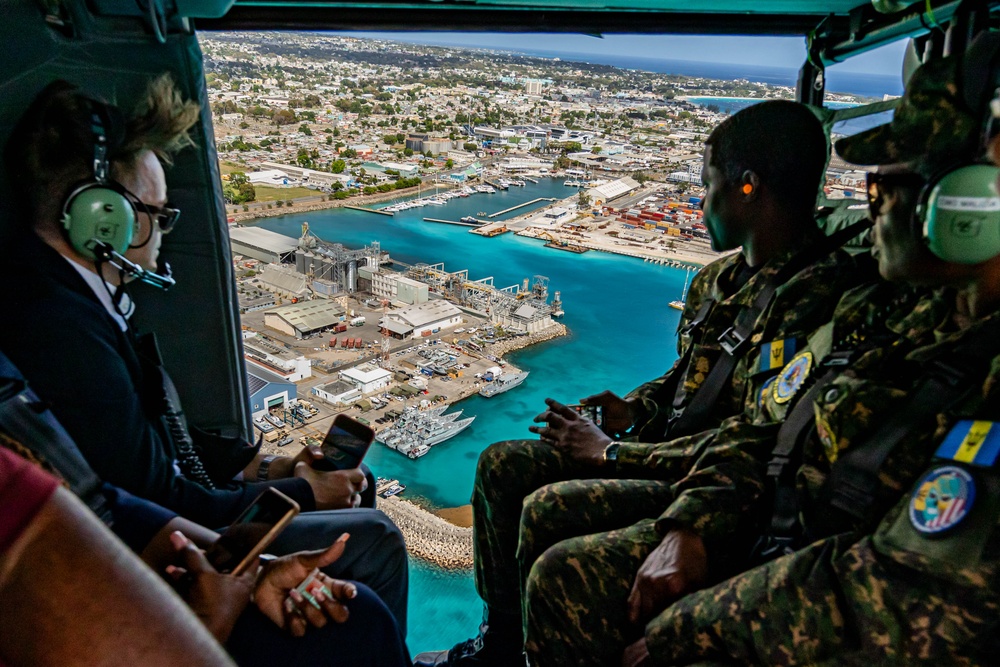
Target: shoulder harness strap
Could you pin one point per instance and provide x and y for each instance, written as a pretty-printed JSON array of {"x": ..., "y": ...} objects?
[{"x": 735, "y": 340}]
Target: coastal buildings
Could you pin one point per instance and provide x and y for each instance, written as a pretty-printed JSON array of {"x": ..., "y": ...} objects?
[
  {"x": 422, "y": 319},
  {"x": 304, "y": 319}
]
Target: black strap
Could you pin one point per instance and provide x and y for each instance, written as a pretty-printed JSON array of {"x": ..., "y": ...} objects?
[
  {"x": 665, "y": 394},
  {"x": 734, "y": 341},
  {"x": 849, "y": 491},
  {"x": 26, "y": 419},
  {"x": 699, "y": 317},
  {"x": 853, "y": 479}
]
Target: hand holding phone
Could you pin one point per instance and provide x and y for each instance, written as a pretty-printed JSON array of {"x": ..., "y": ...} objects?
[
  {"x": 238, "y": 547},
  {"x": 594, "y": 413},
  {"x": 345, "y": 444}
]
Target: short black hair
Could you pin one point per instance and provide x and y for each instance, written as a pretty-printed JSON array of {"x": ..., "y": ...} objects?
[{"x": 782, "y": 142}]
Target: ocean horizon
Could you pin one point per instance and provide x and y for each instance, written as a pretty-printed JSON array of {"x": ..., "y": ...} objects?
[{"x": 852, "y": 83}]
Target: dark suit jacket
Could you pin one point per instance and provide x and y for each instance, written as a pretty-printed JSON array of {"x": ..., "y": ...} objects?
[{"x": 78, "y": 360}]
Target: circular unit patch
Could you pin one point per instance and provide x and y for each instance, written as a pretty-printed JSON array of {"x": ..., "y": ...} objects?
[
  {"x": 943, "y": 498},
  {"x": 792, "y": 377}
]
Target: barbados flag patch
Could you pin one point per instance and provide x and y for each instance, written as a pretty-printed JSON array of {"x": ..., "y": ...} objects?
[
  {"x": 971, "y": 441},
  {"x": 776, "y": 354}
]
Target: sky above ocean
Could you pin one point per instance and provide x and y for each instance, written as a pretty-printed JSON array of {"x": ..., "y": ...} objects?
[{"x": 773, "y": 60}]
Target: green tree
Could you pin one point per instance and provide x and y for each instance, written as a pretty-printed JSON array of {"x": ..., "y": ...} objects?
[
  {"x": 304, "y": 129},
  {"x": 449, "y": 164},
  {"x": 338, "y": 166},
  {"x": 583, "y": 201}
]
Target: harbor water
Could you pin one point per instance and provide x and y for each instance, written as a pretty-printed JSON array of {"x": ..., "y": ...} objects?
[{"x": 621, "y": 334}]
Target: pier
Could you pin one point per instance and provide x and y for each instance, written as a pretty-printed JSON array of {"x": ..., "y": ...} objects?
[
  {"x": 368, "y": 210},
  {"x": 528, "y": 178},
  {"x": 527, "y": 203},
  {"x": 454, "y": 222},
  {"x": 495, "y": 185}
]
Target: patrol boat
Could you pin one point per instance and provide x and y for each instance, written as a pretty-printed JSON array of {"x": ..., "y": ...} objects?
[
  {"x": 415, "y": 432},
  {"x": 502, "y": 384}
]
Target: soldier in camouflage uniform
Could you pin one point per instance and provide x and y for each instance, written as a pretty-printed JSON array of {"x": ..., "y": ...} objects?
[
  {"x": 747, "y": 204},
  {"x": 902, "y": 565}
]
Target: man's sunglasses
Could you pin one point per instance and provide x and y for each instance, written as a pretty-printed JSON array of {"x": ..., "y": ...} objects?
[
  {"x": 165, "y": 216},
  {"x": 878, "y": 182}
]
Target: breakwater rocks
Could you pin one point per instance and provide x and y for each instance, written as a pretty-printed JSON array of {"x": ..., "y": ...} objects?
[
  {"x": 428, "y": 536},
  {"x": 505, "y": 346}
]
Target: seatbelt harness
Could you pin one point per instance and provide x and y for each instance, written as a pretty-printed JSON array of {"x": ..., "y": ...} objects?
[
  {"x": 734, "y": 341},
  {"x": 853, "y": 481}
]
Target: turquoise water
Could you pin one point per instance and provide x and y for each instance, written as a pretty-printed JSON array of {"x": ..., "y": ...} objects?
[{"x": 621, "y": 334}]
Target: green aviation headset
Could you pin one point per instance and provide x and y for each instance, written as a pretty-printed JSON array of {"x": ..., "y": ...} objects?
[
  {"x": 99, "y": 210},
  {"x": 960, "y": 208}
]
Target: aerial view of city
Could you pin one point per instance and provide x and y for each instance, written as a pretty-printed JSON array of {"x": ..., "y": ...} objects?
[{"x": 433, "y": 239}]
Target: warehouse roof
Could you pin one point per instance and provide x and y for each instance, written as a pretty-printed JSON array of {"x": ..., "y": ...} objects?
[{"x": 310, "y": 315}]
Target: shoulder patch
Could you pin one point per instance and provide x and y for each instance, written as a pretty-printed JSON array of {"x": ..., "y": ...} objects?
[
  {"x": 971, "y": 441},
  {"x": 942, "y": 499},
  {"x": 775, "y": 355},
  {"x": 766, "y": 387},
  {"x": 792, "y": 377}
]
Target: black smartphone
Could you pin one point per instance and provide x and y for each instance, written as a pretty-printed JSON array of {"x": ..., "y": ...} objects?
[
  {"x": 238, "y": 547},
  {"x": 594, "y": 413},
  {"x": 345, "y": 444}
]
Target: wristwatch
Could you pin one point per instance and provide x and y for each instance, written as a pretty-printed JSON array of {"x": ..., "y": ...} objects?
[
  {"x": 265, "y": 464},
  {"x": 611, "y": 452}
]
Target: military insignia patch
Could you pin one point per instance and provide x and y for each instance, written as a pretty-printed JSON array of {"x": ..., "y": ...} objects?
[
  {"x": 826, "y": 436},
  {"x": 792, "y": 377},
  {"x": 972, "y": 441},
  {"x": 766, "y": 387},
  {"x": 943, "y": 498},
  {"x": 776, "y": 354}
]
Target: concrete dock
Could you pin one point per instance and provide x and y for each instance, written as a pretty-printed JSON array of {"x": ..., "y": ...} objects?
[
  {"x": 369, "y": 210},
  {"x": 527, "y": 203},
  {"x": 454, "y": 222}
]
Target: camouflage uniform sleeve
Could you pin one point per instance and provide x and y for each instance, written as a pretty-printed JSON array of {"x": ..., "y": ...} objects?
[{"x": 718, "y": 477}]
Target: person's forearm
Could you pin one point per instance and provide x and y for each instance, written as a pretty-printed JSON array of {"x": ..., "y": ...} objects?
[
  {"x": 159, "y": 553},
  {"x": 280, "y": 468},
  {"x": 72, "y": 594}
]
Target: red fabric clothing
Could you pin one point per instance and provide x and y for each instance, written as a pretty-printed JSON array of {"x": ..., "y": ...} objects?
[{"x": 24, "y": 488}]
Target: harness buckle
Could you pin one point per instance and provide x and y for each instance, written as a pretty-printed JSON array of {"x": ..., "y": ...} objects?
[{"x": 732, "y": 341}]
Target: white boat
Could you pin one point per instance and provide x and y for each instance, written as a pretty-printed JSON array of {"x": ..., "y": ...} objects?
[
  {"x": 416, "y": 431},
  {"x": 680, "y": 303},
  {"x": 502, "y": 384}
]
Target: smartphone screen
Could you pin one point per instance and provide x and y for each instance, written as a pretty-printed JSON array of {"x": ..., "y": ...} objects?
[
  {"x": 594, "y": 413},
  {"x": 252, "y": 531},
  {"x": 345, "y": 444}
]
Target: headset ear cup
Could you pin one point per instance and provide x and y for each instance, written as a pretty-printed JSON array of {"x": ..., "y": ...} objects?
[
  {"x": 961, "y": 216},
  {"x": 96, "y": 212}
]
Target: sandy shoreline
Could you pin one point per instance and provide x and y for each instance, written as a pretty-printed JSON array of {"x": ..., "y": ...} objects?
[
  {"x": 430, "y": 537},
  {"x": 459, "y": 516}
]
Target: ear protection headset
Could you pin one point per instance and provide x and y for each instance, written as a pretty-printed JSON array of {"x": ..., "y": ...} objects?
[
  {"x": 98, "y": 210},
  {"x": 959, "y": 209},
  {"x": 747, "y": 188}
]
